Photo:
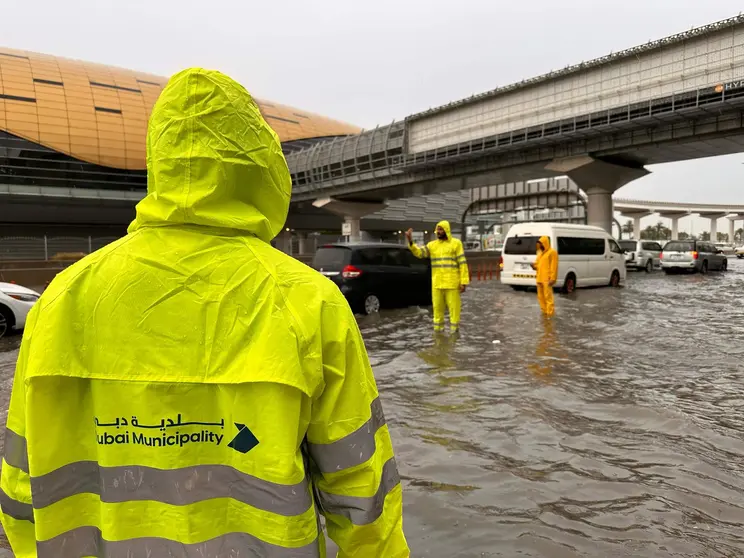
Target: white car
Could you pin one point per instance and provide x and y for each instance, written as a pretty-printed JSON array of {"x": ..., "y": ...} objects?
[
  {"x": 587, "y": 256},
  {"x": 15, "y": 304},
  {"x": 739, "y": 252}
]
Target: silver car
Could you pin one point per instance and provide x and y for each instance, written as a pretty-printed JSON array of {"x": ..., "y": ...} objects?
[
  {"x": 693, "y": 256},
  {"x": 641, "y": 254}
]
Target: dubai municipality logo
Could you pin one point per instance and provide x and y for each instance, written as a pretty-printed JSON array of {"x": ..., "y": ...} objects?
[
  {"x": 245, "y": 441},
  {"x": 169, "y": 432}
]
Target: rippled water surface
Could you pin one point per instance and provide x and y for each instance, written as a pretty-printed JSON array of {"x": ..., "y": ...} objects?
[{"x": 615, "y": 429}]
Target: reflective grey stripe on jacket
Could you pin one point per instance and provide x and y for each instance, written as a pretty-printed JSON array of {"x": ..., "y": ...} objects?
[
  {"x": 354, "y": 448},
  {"x": 15, "y": 509},
  {"x": 16, "y": 452},
  {"x": 88, "y": 541},
  {"x": 360, "y": 510},
  {"x": 177, "y": 487}
]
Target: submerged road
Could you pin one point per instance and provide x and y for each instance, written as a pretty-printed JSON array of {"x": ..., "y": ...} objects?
[{"x": 615, "y": 429}]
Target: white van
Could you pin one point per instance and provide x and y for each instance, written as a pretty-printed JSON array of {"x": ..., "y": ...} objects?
[{"x": 587, "y": 256}]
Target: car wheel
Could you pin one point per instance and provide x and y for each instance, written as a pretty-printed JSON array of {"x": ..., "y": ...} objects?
[
  {"x": 371, "y": 304},
  {"x": 649, "y": 266},
  {"x": 569, "y": 285},
  {"x": 3, "y": 326},
  {"x": 615, "y": 279},
  {"x": 704, "y": 267}
]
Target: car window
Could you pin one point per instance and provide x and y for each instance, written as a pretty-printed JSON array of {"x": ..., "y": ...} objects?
[
  {"x": 415, "y": 262},
  {"x": 656, "y": 247},
  {"x": 628, "y": 245},
  {"x": 331, "y": 258},
  {"x": 677, "y": 246},
  {"x": 394, "y": 256},
  {"x": 650, "y": 246},
  {"x": 580, "y": 246},
  {"x": 369, "y": 256},
  {"x": 521, "y": 245},
  {"x": 614, "y": 247}
]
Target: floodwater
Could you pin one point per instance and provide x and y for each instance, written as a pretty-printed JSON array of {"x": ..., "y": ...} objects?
[{"x": 615, "y": 429}]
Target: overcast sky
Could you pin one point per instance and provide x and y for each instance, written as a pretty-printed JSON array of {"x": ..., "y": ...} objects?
[{"x": 369, "y": 62}]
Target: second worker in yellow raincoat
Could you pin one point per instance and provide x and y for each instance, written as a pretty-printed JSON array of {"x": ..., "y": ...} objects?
[
  {"x": 449, "y": 273},
  {"x": 189, "y": 390},
  {"x": 546, "y": 266}
]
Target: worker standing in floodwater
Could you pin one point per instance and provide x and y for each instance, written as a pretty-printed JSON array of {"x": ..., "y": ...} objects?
[
  {"x": 449, "y": 273},
  {"x": 546, "y": 266}
]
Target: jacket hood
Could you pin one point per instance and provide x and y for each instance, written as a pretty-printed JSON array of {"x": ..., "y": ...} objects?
[
  {"x": 545, "y": 241},
  {"x": 212, "y": 160},
  {"x": 446, "y": 226}
]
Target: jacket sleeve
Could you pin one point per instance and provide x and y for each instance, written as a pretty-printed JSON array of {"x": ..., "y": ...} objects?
[
  {"x": 355, "y": 476},
  {"x": 419, "y": 251},
  {"x": 462, "y": 262},
  {"x": 554, "y": 266},
  {"x": 15, "y": 484}
]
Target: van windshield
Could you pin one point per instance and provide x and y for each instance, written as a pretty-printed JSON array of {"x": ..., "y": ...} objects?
[
  {"x": 679, "y": 247},
  {"x": 521, "y": 245}
]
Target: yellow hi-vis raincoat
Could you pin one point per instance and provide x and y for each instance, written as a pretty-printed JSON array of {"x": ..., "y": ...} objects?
[
  {"x": 189, "y": 391},
  {"x": 546, "y": 266},
  {"x": 449, "y": 270}
]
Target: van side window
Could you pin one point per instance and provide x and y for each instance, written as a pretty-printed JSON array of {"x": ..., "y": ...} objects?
[
  {"x": 614, "y": 247},
  {"x": 578, "y": 246}
]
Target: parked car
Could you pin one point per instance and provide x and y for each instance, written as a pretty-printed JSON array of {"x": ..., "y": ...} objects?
[
  {"x": 726, "y": 248},
  {"x": 696, "y": 256},
  {"x": 15, "y": 303},
  {"x": 588, "y": 256},
  {"x": 641, "y": 254},
  {"x": 375, "y": 275},
  {"x": 739, "y": 252}
]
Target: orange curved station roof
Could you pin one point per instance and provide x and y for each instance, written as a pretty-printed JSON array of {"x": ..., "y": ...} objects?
[{"x": 99, "y": 114}]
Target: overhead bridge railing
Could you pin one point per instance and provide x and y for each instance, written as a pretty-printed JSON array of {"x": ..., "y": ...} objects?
[
  {"x": 381, "y": 152},
  {"x": 659, "y": 109},
  {"x": 369, "y": 155}
]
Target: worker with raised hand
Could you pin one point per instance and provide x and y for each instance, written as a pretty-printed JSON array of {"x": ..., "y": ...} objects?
[
  {"x": 449, "y": 273},
  {"x": 189, "y": 390}
]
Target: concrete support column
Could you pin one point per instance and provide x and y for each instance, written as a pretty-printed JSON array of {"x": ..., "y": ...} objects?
[
  {"x": 599, "y": 178},
  {"x": 302, "y": 248},
  {"x": 599, "y": 208},
  {"x": 637, "y": 227},
  {"x": 714, "y": 217},
  {"x": 284, "y": 241},
  {"x": 732, "y": 230},
  {"x": 675, "y": 228},
  {"x": 354, "y": 226}
]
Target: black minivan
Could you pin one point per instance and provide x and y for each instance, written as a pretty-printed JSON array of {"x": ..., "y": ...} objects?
[{"x": 376, "y": 275}]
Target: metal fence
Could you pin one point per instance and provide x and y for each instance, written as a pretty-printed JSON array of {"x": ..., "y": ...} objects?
[{"x": 49, "y": 248}]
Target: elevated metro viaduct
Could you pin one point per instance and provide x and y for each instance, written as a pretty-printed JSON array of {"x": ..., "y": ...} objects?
[{"x": 599, "y": 122}]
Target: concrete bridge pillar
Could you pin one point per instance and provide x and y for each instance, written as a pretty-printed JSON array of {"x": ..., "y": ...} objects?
[
  {"x": 352, "y": 212},
  {"x": 674, "y": 216},
  {"x": 637, "y": 227},
  {"x": 675, "y": 228},
  {"x": 599, "y": 179},
  {"x": 732, "y": 230},
  {"x": 302, "y": 248},
  {"x": 714, "y": 217}
]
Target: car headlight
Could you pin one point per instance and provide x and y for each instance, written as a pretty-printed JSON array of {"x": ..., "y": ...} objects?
[{"x": 23, "y": 297}]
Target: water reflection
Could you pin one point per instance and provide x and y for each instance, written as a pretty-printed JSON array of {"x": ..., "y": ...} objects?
[{"x": 613, "y": 429}]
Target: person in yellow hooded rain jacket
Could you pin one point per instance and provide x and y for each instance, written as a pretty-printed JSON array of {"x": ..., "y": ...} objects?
[
  {"x": 188, "y": 390},
  {"x": 449, "y": 273},
  {"x": 546, "y": 266}
]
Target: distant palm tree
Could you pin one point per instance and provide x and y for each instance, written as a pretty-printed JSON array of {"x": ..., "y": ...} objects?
[{"x": 627, "y": 228}]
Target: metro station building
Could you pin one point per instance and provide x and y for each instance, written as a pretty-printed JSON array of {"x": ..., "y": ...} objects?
[{"x": 72, "y": 142}]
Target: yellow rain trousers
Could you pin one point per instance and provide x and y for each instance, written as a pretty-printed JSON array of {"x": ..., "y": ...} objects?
[
  {"x": 189, "y": 391},
  {"x": 449, "y": 270},
  {"x": 547, "y": 273}
]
